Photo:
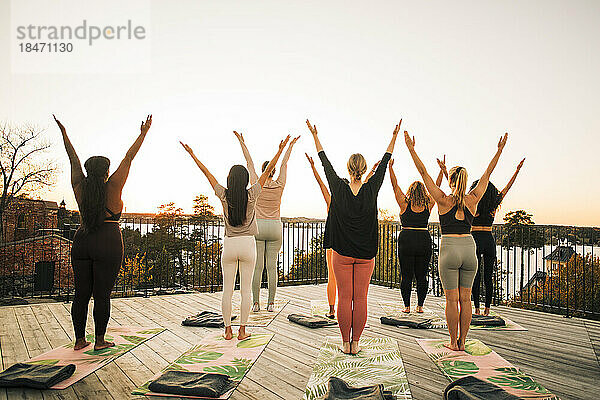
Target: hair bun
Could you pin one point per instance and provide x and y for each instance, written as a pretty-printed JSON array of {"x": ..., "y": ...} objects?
[{"x": 97, "y": 166}]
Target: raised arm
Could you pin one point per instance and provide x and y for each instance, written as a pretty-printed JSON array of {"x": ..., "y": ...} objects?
[
  {"x": 390, "y": 148},
  {"x": 479, "y": 190},
  {"x": 120, "y": 175},
  {"x": 211, "y": 179},
  {"x": 377, "y": 179},
  {"x": 283, "y": 168},
  {"x": 443, "y": 171},
  {"x": 398, "y": 193},
  {"x": 315, "y": 135},
  {"x": 249, "y": 162},
  {"x": 372, "y": 171},
  {"x": 512, "y": 179},
  {"x": 434, "y": 190},
  {"x": 271, "y": 165},
  {"x": 76, "y": 171},
  {"x": 322, "y": 186}
]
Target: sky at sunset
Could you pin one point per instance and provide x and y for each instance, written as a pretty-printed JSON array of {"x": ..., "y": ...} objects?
[{"x": 459, "y": 73}]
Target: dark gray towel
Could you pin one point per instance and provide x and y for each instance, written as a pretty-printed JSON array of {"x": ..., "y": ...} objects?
[
  {"x": 186, "y": 383},
  {"x": 471, "y": 388},
  {"x": 340, "y": 390},
  {"x": 311, "y": 321},
  {"x": 487, "y": 320},
  {"x": 207, "y": 319},
  {"x": 35, "y": 376},
  {"x": 420, "y": 323}
]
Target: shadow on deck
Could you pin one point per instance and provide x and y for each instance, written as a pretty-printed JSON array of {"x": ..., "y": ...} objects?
[{"x": 560, "y": 353}]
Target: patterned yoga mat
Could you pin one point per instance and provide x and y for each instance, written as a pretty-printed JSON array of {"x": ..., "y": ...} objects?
[
  {"x": 510, "y": 325},
  {"x": 483, "y": 363},
  {"x": 262, "y": 317},
  {"x": 87, "y": 360},
  {"x": 394, "y": 309},
  {"x": 378, "y": 362},
  {"x": 214, "y": 354}
]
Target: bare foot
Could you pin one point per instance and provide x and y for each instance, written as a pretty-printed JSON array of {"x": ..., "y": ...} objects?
[
  {"x": 452, "y": 346},
  {"x": 102, "y": 344},
  {"x": 346, "y": 348},
  {"x": 419, "y": 309},
  {"x": 242, "y": 334},
  {"x": 477, "y": 311},
  {"x": 80, "y": 344},
  {"x": 228, "y": 333},
  {"x": 461, "y": 344},
  {"x": 486, "y": 311},
  {"x": 354, "y": 347},
  {"x": 406, "y": 310}
]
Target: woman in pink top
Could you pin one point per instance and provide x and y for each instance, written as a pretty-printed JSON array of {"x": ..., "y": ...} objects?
[{"x": 270, "y": 228}]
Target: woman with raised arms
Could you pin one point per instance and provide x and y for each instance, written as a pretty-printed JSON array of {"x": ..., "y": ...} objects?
[
  {"x": 351, "y": 231},
  {"x": 239, "y": 246},
  {"x": 457, "y": 261},
  {"x": 97, "y": 251}
]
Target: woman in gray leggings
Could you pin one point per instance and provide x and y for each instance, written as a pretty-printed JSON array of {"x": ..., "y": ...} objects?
[
  {"x": 457, "y": 262},
  {"x": 270, "y": 228}
]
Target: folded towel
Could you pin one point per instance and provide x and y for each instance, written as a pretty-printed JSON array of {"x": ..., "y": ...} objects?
[
  {"x": 207, "y": 319},
  {"x": 184, "y": 383},
  {"x": 487, "y": 320},
  {"x": 340, "y": 390},
  {"x": 311, "y": 321},
  {"x": 471, "y": 388},
  {"x": 35, "y": 375},
  {"x": 420, "y": 323}
]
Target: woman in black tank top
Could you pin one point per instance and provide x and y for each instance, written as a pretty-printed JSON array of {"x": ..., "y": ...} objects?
[
  {"x": 485, "y": 242},
  {"x": 414, "y": 240},
  {"x": 457, "y": 264}
]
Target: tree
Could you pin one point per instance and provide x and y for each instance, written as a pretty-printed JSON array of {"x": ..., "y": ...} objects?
[
  {"x": 202, "y": 209},
  {"x": 22, "y": 164},
  {"x": 520, "y": 231}
]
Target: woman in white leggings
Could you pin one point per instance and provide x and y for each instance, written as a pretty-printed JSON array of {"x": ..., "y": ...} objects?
[
  {"x": 268, "y": 219},
  {"x": 239, "y": 247}
]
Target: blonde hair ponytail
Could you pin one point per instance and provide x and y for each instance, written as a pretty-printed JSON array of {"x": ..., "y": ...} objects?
[
  {"x": 357, "y": 166},
  {"x": 458, "y": 181}
]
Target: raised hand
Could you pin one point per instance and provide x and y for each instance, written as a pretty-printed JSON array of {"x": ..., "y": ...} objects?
[
  {"x": 442, "y": 164},
  {"x": 520, "y": 164},
  {"x": 310, "y": 160},
  {"x": 410, "y": 142},
  {"x": 146, "y": 125},
  {"x": 375, "y": 166},
  {"x": 187, "y": 148},
  {"x": 312, "y": 128},
  {"x": 284, "y": 142},
  {"x": 61, "y": 126},
  {"x": 239, "y": 136},
  {"x": 397, "y": 128},
  {"x": 294, "y": 140},
  {"x": 502, "y": 141}
]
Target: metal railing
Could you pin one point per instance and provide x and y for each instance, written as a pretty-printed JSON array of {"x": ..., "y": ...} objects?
[{"x": 551, "y": 268}]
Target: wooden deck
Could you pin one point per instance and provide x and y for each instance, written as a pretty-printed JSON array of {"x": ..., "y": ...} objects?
[{"x": 562, "y": 354}]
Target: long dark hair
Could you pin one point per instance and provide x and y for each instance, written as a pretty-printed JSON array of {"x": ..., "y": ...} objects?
[
  {"x": 93, "y": 194},
  {"x": 490, "y": 200},
  {"x": 237, "y": 195}
]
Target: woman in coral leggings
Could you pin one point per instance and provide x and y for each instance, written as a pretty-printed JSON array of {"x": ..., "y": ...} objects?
[{"x": 351, "y": 232}]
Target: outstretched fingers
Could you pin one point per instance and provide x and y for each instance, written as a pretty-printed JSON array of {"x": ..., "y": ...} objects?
[{"x": 397, "y": 128}]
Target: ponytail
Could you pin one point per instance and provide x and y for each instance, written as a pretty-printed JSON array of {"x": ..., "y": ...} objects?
[
  {"x": 357, "y": 166},
  {"x": 458, "y": 182}
]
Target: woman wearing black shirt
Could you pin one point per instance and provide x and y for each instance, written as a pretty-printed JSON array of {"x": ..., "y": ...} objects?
[{"x": 351, "y": 232}]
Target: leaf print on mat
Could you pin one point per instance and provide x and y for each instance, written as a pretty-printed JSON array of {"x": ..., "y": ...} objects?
[
  {"x": 476, "y": 348},
  {"x": 133, "y": 339},
  {"x": 198, "y": 356},
  {"x": 516, "y": 379},
  {"x": 44, "y": 362},
  {"x": 235, "y": 371},
  {"x": 110, "y": 351},
  {"x": 255, "y": 340},
  {"x": 457, "y": 368}
]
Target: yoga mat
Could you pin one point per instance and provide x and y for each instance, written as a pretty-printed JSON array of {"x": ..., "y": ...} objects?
[
  {"x": 214, "y": 354},
  {"x": 510, "y": 325},
  {"x": 262, "y": 317},
  {"x": 378, "y": 362},
  {"x": 482, "y": 362},
  {"x": 394, "y": 309},
  {"x": 320, "y": 308},
  {"x": 87, "y": 360}
]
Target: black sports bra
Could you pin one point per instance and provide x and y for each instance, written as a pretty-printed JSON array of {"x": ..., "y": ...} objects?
[
  {"x": 453, "y": 226},
  {"x": 113, "y": 216},
  {"x": 411, "y": 219}
]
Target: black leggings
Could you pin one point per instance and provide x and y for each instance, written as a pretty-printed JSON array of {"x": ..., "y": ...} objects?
[
  {"x": 486, "y": 254},
  {"x": 414, "y": 253},
  {"x": 96, "y": 258}
]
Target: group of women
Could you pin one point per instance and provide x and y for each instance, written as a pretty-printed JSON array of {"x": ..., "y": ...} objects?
[{"x": 253, "y": 234}]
